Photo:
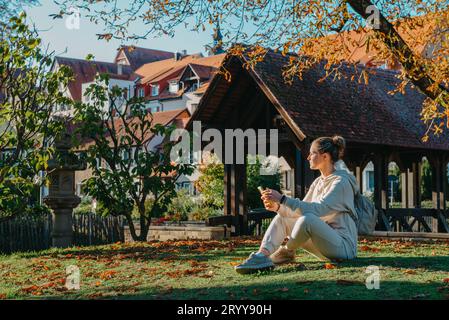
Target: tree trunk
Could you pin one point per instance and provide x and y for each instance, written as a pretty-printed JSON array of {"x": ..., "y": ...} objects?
[
  {"x": 132, "y": 229},
  {"x": 411, "y": 63}
]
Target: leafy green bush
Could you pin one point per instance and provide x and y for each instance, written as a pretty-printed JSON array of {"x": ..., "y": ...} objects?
[
  {"x": 85, "y": 206},
  {"x": 255, "y": 179},
  {"x": 149, "y": 202},
  {"x": 201, "y": 213},
  {"x": 37, "y": 210},
  {"x": 211, "y": 183},
  {"x": 181, "y": 205}
]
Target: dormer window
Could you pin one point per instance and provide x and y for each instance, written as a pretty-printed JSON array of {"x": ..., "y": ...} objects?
[
  {"x": 154, "y": 90},
  {"x": 174, "y": 86}
]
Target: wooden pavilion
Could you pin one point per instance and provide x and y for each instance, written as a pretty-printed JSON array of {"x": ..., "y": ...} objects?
[{"x": 377, "y": 126}]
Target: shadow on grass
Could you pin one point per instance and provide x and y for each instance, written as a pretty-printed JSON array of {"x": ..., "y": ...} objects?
[
  {"x": 431, "y": 263},
  {"x": 303, "y": 290},
  {"x": 196, "y": 250}
]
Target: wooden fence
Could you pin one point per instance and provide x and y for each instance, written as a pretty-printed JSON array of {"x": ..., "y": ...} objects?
[
  {"x": 32, "y": 233},
  {"x": 25, "y": 233}
]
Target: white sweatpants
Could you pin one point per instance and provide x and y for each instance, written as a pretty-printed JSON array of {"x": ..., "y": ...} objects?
[{"x": 308, "y": 232}]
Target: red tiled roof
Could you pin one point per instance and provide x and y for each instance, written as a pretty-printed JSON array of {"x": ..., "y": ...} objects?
[
  {"x": 360, "y": 113},
  {"x": 138, "y": 56},
  {"x": 416, "y": 32},
  {"x": 85, "y": 71},
  {"x": 153, "y": 72},
  {"x": 204, "y": 72},
  {"x": 178, "y": 117}
]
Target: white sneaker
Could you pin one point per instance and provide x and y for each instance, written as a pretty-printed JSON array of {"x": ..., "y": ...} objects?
[
  {"x": 255, "y": 262},
  {"x": 283, "y": 255}
]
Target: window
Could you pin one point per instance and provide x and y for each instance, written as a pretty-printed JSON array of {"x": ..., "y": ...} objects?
[
  {"x": 174, "y": 87},
  {"x": 155, "y": 90},
  {"x": 141, "y": 93}
]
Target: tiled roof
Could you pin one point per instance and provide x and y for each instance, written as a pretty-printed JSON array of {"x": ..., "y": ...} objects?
[
  {"x": 361, "y": 113},
  {"x": 85, "y": 71},
  {"x": 178, "y": 117},
  {"x": 138, "y": 56},
  {"x": 152, "y": 72},
  {"x": 416, "y": 33},
  {"x": 204, "y": 72}
]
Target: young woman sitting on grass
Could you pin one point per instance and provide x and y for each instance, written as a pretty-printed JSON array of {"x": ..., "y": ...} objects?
[{"x": 320, "y": 223}]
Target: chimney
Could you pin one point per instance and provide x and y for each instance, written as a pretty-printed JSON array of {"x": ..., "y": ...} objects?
[
  {"x": 177, "y": 56},
  {"x": 184, "y": 52},
  {"x": 119, "y": 69}
]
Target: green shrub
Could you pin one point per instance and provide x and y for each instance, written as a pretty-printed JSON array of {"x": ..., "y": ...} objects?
[
  {"x": 202, "y": 213},
  {"x": 148, "y": 205},
  {"x": 85, "y": 206},
  {"x": 181, "y": 205},
  {"x": 211, "y": 183},
  {"x": 37, "y": 210}
]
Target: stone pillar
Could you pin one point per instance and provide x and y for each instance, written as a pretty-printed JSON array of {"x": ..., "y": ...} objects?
[{"x": 61, "y": 197}]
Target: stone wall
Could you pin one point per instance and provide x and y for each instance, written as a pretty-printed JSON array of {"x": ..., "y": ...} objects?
[{"x": 163, "y": 233}]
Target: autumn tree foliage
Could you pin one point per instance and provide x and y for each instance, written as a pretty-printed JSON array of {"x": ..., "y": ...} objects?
[{"x": 412, "y": 33}]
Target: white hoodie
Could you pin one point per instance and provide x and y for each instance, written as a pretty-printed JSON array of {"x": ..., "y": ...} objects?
[{"x": 330, "y": 198}]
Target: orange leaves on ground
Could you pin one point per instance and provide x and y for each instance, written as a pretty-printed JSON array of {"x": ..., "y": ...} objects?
[
  {"x": 34, "y": 290},
  {"x": 195, "y": 264},
  {"x": 106, "y": 275},
  {"x": 446, "y": 280},
  {"x": 329, "y": 266},
  {"x": 409, "y": 271},
  {"x": 368, "y": 248},
  {"x": 188, "y": 272},
  {"x": 2, "y": 296},
  {"x": 95, "y": 295},
  {"x": 285, "y": 289}
]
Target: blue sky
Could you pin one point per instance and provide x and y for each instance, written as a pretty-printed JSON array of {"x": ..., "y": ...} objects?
[{"x": 79, "y": 43}]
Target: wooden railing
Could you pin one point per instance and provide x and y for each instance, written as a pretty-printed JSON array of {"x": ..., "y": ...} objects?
[{"x": 400, "y": 220}]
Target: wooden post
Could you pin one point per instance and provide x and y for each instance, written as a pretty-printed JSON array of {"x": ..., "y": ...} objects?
[
  {"x": 410, "y": 188},
  {"x": 299, "y": 181},
  {"x": 304, "y": 176},
  {"x": 380, "y": 182},
  {"x": 436, "y": 178},
  {"x": 439, "y": 223},
  {"x": 380, "y": 189},
  {"x": 359, "y": 176},
  {"x": 404, "y": 189},
  {"x": 416, "y": 171}
]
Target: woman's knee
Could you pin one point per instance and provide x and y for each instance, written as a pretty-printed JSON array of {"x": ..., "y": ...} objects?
[{"x": 303, "y": 223}]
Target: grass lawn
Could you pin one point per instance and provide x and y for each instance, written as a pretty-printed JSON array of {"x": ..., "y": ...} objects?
[{"x": 204, "y": 270}]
